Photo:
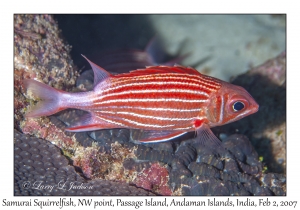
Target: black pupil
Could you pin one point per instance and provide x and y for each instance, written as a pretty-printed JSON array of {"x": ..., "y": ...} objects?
[{"x": 237, "y": 106}]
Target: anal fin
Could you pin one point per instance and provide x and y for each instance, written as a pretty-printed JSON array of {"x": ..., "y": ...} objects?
[
  {"x": 154, "y": 136},
  {"x": 89, "y": 122}
]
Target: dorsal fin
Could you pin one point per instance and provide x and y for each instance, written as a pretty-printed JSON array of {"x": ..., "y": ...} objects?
[
  {"x": 161, "y": 70},
  {"x": 99, "y": 73}
]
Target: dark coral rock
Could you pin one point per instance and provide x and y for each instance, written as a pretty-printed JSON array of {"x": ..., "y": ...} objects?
[
  {"x": 239, "y": 176},
  {"x": 41, "y": 169},
  {"x": 237, "y": 189},
  {"x": 178, "y": 174},
  {"x": 257, "y": 189},
  {"x": 203, "y": 185},
  {"x": 242, "y": 149},
  {"x": 86, "y": 80},
  {"x": 147, "y": 153},
  {"x": 207, "y": 155},
  {"x": 186, "y": 153},
  {"x": 203, "y": 169},
  {"x": 246, "y": 157},
  {"x": 276, "y": 181},
  {"x": 137, "y": 165}
]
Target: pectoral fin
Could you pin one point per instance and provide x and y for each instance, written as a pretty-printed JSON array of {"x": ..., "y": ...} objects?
[{"x": 207, "y": 137}]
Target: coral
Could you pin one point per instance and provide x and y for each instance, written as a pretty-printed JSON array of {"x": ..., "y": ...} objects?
[
  {"x": 43, "y": 128},
  {"x": 88, "y": 162},
  {"x": 96, "y": 164},
  {"x": 40, "y": 53},
  {"x": 154, "y": 178},
  {"x": 41, "y": 169},
  {"x": 230, "y": 171}
]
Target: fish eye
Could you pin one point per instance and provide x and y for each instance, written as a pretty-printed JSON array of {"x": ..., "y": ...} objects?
[{"x": 238, "y": 106}]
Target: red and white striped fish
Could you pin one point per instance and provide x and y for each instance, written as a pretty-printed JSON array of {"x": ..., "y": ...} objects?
[{"x": 165, "y": 102}]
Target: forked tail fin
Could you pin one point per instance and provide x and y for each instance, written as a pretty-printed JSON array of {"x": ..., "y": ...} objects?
[{"x": 49, "y": 98}]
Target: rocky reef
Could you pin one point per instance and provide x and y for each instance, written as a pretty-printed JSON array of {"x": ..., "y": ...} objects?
[
  {"x": 111, "y": 162},
  {"x": 41, "y": 169}
]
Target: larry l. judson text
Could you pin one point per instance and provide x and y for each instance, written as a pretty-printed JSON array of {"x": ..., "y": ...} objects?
[{"x": 137, "y": 203}]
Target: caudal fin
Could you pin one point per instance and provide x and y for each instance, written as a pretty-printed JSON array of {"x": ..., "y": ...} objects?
[{"x": 48, "y": 98}]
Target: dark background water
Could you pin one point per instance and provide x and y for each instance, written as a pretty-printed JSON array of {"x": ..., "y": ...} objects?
[{"x": 93, "y": 34}]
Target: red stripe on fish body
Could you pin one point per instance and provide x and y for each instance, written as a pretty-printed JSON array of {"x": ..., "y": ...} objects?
[{"x": 161, "y": 101}]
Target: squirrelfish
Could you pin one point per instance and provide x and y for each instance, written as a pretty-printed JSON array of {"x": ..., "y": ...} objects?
[{"x": 166, "y": 102}]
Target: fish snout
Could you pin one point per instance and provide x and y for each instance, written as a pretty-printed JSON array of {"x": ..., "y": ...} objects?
[{"x": 254, "y": 106}]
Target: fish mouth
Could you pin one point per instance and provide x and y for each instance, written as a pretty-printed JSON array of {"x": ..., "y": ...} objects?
[{"x": 254, "y": 107}]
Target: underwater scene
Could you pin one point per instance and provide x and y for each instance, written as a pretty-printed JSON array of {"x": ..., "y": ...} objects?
[{"x": 181, "y": 105}]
